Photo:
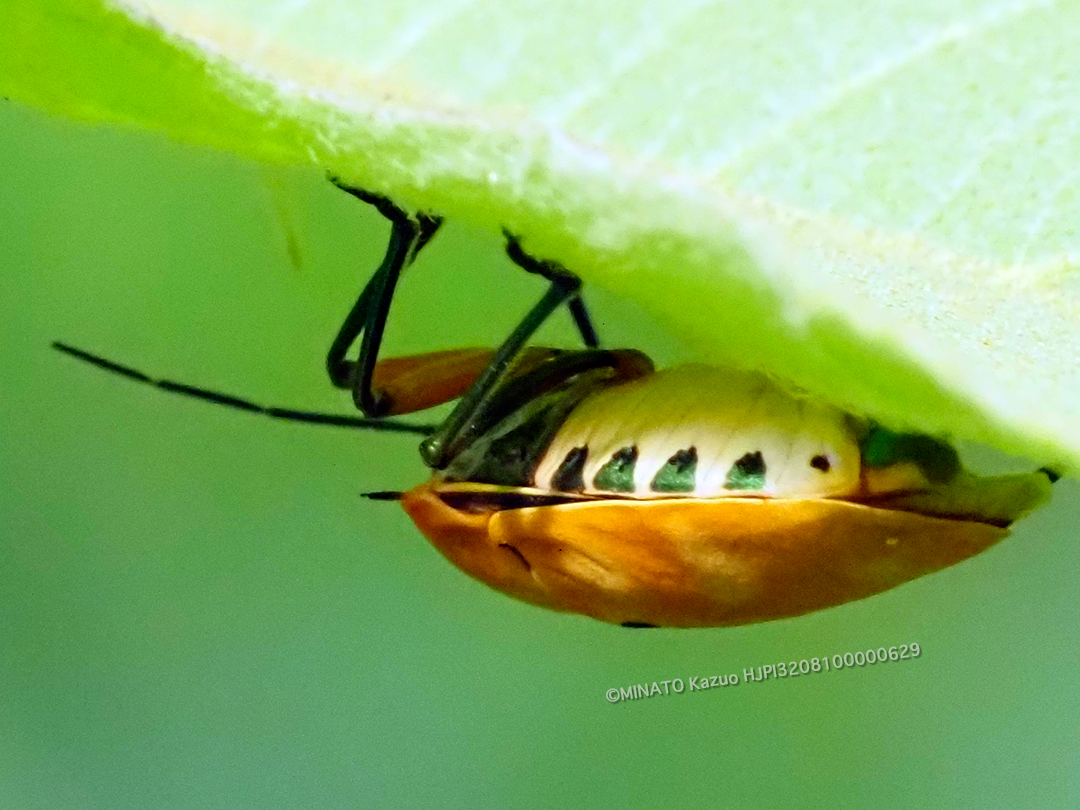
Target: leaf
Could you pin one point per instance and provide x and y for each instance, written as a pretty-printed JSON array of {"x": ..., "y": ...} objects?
[{"x": 875, "y": 201}]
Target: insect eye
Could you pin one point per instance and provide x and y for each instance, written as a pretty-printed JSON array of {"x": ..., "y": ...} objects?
[{"x": 821, "y": 463}]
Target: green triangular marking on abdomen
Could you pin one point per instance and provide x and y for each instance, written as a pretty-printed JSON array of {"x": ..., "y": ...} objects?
[
  {"x": 568, "y": 478},
  {"x": 618, "y": 474},
  {"x": 747, "y": 473},
  {"x": 679, "y": 474}
]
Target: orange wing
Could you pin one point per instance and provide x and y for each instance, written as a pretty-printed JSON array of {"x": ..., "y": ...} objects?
[{"x": 420, "y": 381}]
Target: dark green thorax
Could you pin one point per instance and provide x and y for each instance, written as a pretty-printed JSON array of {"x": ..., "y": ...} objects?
[{"x": 881, "y": 447}]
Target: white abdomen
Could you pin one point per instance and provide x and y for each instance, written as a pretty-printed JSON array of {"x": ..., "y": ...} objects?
[{"x": 705, "y": 432}]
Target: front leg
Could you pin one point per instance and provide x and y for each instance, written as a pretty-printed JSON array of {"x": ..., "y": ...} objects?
[{"x": 408, "y": 235}]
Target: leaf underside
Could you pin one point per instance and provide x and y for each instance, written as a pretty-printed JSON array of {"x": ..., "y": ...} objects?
[{"x": 874, "y": 201}]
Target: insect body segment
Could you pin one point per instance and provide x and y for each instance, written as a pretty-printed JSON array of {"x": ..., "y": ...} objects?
[{"x": 703, "y": 432}]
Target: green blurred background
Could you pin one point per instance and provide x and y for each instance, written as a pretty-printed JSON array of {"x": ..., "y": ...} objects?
[{"x": 198, "y": 610}]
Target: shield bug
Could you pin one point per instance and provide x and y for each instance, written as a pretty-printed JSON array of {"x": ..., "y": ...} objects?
[{"x": 588, "y": 481}]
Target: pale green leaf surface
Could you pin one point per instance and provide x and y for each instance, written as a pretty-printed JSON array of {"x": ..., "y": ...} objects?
[{"x": 874, "y": 200}]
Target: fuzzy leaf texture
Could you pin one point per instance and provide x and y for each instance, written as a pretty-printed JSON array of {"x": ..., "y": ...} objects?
[{"x": 876, "y": 201}]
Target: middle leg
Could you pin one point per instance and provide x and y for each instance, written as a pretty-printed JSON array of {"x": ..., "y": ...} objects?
[
  {"x": 551, "y": 270},
  {"x": 438, "y": 449}
]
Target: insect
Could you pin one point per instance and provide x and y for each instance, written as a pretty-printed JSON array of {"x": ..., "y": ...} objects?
[{"x": 587, "y": 481}]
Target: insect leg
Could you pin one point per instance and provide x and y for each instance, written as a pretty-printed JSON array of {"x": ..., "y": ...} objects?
[
  {"x": 368, "y": 315},
  {"x": 552, "y": 270},
  {"x": 435, "y": 450}
]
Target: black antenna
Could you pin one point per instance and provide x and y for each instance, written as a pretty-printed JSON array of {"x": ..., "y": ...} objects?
[
  {"x": 337, "y": 420},
  {"x": 383, "y": 495}
]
